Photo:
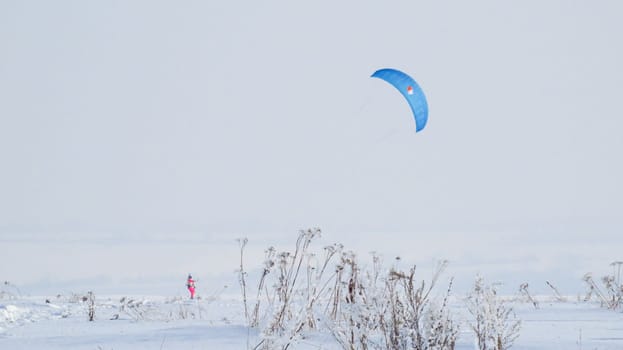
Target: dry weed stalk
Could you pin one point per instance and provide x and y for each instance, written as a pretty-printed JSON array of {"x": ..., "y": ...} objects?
[
  {"x": 269, "y": 263},
  {"x": 90, "y": 300},
  {"x": 242, "y": 242},
  {"x": 593, "y": 288},
  {"x": 523, "y": 290},
  {"x": 133, "y": 308},
  {"x": 557, "y": 294},
  {"x": 614, "y": 286},
  {"x": 612, "y": 297}
]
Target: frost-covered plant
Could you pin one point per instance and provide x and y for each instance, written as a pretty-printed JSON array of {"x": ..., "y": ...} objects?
[
  {"x": 9, "y": 291},
  {"x": 523, "y": 290},
  {"x": 134, "y": 308},
  {"x": 90, "y": 306},
  {"x": 363, "y": 309},
  {"x": 353, "y": 316},
  {"x": 242, "y": 276},
  {"x": 613, "y": 286},
  {"x": 441, "y": 330},
  {"x": 392, "y": 311},
  {"x": 316, "y": 286},
  {"x": 269, "y": 263},
  {"x": 293, "y": 297},
  {"x": 612, "y": 295},
  {"x": 184, "y": 312},
  {"x": 495, "y": 325},
  {"x": 557, "y": 295},
  {"x": 145, "y": 310},
  {"x": 140, "y": 310},
  {"x": 412, "y": 305}
]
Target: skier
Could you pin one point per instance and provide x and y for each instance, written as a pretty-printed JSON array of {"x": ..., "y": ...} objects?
[{"x": 190, "y": 284}]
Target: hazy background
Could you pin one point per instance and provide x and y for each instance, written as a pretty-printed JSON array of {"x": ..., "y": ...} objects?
[{"x": 139, "y": 138}]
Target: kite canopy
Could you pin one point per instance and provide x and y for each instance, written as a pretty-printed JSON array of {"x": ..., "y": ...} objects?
[{"x": 410, "y": 90}]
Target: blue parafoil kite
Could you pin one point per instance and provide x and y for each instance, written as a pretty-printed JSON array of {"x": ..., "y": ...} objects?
[{"x": 410, "y": 90}]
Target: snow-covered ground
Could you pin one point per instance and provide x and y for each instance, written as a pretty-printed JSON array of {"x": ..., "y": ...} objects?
[
  {"x": 159, "y": 322},
  {"x": 147, "y": 323}
]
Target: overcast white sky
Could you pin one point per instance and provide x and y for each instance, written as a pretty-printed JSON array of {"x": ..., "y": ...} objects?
[{"x": 162, "y": 117}]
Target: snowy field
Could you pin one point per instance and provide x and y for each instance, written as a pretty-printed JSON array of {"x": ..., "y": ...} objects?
[
  {"x": 173, "y": 323},
  {"x": 54, "y": 315}
]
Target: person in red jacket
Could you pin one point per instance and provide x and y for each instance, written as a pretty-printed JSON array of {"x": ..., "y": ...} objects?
[{"x": 190, "y": 284}]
